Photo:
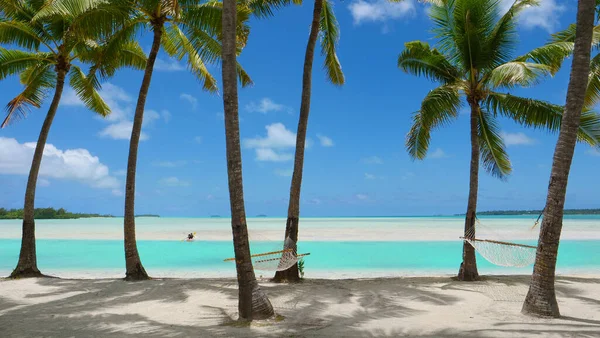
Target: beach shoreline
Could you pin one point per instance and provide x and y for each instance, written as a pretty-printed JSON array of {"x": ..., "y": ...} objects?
[
  {"x": 374, "y": 307},
  {"x": 398, "y": 229}
]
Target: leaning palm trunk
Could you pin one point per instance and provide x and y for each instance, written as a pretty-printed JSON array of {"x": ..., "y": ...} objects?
[
  {"x": 133, "y": 263},
  {"x": 468, "y": 267},
  {"x": 27, "y": 265},
  {"x": 253, "y": 303},
  {"x": 541, "y": 298},
  {"x": 291, "y": 227}
]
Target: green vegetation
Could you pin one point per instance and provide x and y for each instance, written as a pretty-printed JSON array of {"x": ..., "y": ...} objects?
[
  {"x": 537, "y": 212},
  {"x": 46, "y": 213}
]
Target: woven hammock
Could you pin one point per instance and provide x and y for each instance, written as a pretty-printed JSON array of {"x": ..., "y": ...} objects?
[
  {"x": 501, "y": 252},
  {"x": 276, "y": 260}
]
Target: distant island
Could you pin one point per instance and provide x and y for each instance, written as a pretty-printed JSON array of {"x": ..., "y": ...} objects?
[
  {"x": 215, "y": 216},
  {"x": 147, "y": 215},
  {"x": 535, "y": 212},
  {"x": 261, "y": 215},
  {"x": 46, "y": 213}
]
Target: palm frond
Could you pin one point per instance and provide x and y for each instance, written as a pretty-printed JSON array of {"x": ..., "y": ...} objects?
[
  {"x": 178, "y": 44},
  {"x": 592, "y": 93},
  {"x": 18, "y": 10},
  {"x": 37, "y": 80},
  {"x": 205, "y": 17},
  {"x": 568, "y": 35},
  {"x": 328, "y": 27},
  {"x": 439, "y": 107},
  {"x": 525, "y": 111},
  {"x": 87, "y": 18},
  {"x": 13, "y": 61},
  {"x": 473, "y": 24},
  {"x": 243, "y": 77},
  {"x": 20, "y": 34},
  {"x": 502, "y": 40},
  {"x": 515, "y": 73},
  {"x": 552, "y": 54},
  {"x": 266, "y": 8},
  {"x": 441, "y": 14},
  {"x": 419, "y": 59},
  {"x": 491, "y": 146},
  {"x": 86, "y": 89},
  {"x": 542, "y": 115},
  {"x": 589, "y": 128}
]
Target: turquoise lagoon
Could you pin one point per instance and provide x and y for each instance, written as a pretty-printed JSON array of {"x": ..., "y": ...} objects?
[{"x": 90, "y": 257}]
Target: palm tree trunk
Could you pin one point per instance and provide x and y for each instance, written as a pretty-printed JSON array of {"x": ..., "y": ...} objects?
[
  {"x": 27, "y": 265},
  {"x": 468, "y": 267},
  {"x": 541, "y": 298},
  {"x": 133, "y": 263},
  {"x": 252, "y": 303},
  {"x": 291, "y": 226}
]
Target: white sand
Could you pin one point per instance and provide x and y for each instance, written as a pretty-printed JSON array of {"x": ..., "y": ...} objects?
[
  {"x": 311, "y": 229},
  {"x": 389, "y": 307}
]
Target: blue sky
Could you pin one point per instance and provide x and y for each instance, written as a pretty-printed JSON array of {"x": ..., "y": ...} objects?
[{"x": 356, "y": 164}]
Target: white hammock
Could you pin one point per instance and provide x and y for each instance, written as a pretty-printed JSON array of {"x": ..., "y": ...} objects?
[
  {"x": 502, "y": 253},
  {"x": 276, "y": 260}
]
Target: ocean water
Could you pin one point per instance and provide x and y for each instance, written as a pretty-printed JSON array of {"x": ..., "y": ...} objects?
[{"x": 369, "y": 253}]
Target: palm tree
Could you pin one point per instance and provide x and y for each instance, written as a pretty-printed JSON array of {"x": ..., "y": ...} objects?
[
  {"x": 474, "y": 62},
  {"x": 53, "y": 44},
  {"x": 541, "y": 298},
  {"x": 325, "y": 23},
  {"x": 252, "y": 301},
  {"x": 184, "y": 29}
]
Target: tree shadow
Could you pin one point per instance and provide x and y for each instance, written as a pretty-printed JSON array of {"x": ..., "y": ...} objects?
[{"x": 314, "y": 308}]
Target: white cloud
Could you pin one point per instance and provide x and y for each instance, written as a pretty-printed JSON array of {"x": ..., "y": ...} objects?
[
  {"x": 380, "y": 10},
  {"x": 372, "y": 160},
  {"x": 266, "y": 105},
  {"x": 166, "y": 115},
  {"x": 173, "y": 182},
  {"x": 325, "y": 141},
  {"x": 70, "y": 164},
  {"x": 150, "y": 116},
  {"x": 438, "y": 153},
  {"x": 169, "y": 164},
  {"x": 370, "y": 176},
  {"x": 198, "y": 139},
  {"x": 278, "y": 136},
  {"x": 284, "y": 172},
  {"x": 121, "y": 131},
  {"x": 546, "y": 15},
  {"x": 269, "y": 155},
  {"x": 270, "y": 148},
  {"x": 168, "y": 65},
  {"x": 122, "y": 109},
  {"x": 189, "y": 98},
  {"x": 514, "y": 139},
  {"x": 361, "y": 197},
  {"x": 42, "y": 182}
]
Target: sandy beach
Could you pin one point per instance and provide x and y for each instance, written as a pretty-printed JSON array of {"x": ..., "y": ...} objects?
[
  {"x": 385, "y": 307},
  {"x": 311, "y": 229}
]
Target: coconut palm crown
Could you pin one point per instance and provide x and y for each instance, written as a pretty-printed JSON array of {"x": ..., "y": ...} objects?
[{"x": 473, "y": 61}]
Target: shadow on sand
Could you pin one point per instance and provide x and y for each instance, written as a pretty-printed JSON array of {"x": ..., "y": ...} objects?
[{"x": 383, "y": 307}]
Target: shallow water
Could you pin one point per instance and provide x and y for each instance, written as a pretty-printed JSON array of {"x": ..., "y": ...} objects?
[
  {"x": 339, "y": 247},
  {"x": 93, "y": 258}
]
